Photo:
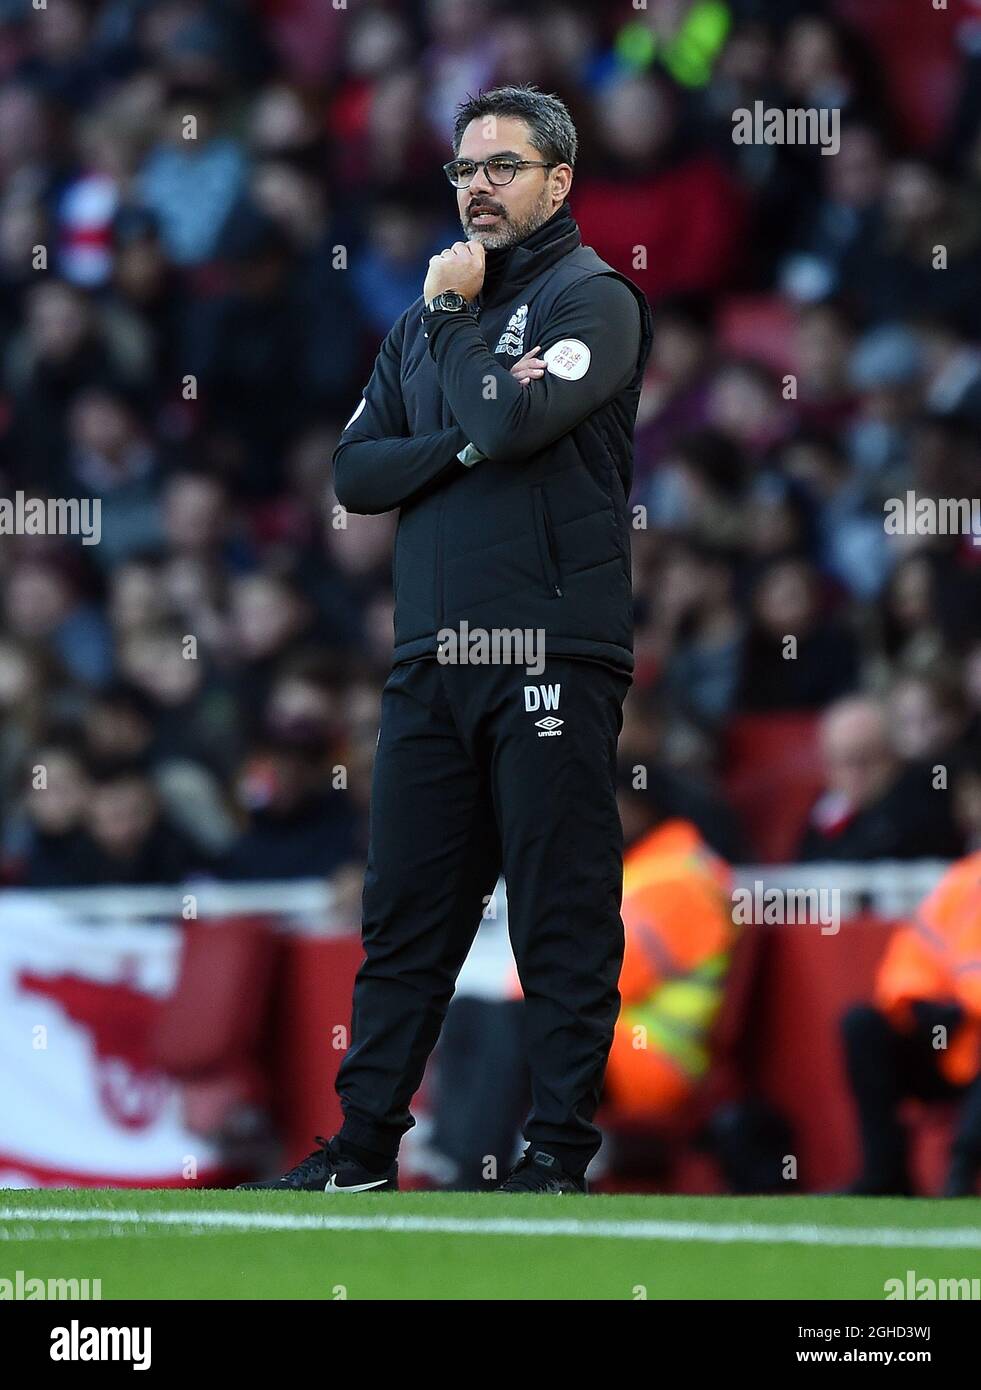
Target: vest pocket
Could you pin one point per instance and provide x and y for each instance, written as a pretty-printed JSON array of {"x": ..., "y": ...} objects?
[{"x": 547, "y": 550}]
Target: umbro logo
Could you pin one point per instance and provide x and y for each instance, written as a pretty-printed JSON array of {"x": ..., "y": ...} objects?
[
  {"x": 544, "y": 697},
  {"x": 512, "y": 340}
]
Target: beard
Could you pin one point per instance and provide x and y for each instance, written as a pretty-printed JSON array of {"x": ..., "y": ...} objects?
[{"x": 510, "y": 230}]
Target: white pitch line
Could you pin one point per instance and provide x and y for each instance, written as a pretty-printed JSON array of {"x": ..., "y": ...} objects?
[{"x": 753, "y": 1233}]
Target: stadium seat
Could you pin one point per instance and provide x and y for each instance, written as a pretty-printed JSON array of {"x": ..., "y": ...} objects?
[
  {"x": 918, "y": 59},
  {"x": 762, "y": 327},
  {"x": 772, "y": 775}
]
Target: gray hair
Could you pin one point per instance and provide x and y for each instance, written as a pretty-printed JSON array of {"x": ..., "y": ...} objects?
[{"x": 550, "y": 126}]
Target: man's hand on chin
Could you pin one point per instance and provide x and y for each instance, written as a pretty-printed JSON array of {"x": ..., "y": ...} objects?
[{"x": 460, "y": 267}]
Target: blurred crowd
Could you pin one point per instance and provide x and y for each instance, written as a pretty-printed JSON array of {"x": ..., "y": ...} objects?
[{"x": 188, "y": 323}]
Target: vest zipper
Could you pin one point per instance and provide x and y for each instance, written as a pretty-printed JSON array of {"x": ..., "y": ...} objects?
[
  {"x": 550, "y": 550},
  {"x": 439, "y": 565}
]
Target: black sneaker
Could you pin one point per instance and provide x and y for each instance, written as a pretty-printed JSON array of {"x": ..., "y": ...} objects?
[
  {"x": 328, "y": 1170},
  {"x": 536, "y": 1171}
]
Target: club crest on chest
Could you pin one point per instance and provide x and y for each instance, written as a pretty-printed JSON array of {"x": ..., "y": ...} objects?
[{"x": 512, "y": 340}]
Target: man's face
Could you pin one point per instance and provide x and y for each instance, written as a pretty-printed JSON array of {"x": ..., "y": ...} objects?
[
  {"x": 121, "y": 815},
  {"x": 859, "y": 763},
  {"x": 499, "y": 215}
]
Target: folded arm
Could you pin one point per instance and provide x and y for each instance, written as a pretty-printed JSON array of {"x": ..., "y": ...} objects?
[
  {"x": 590, "y": 343},
  {"x": 377, "y": 464}
]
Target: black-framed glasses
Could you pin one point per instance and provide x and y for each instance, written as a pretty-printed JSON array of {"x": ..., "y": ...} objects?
[{"x": 499, "y": 169}]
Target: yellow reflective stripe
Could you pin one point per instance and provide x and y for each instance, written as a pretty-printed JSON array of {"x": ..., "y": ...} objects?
[
  {"x": 689, "y": 1004},
  {"x": 668, "y": 1035},
  {"x": 713, "y": 968}
]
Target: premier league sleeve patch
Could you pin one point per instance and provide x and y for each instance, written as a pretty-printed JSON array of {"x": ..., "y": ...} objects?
[{"x": 568, "y": 359}]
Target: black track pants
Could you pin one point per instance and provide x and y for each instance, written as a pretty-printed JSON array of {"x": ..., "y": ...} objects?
[
  {"x": 883, "y": 1067},
  {"x": 479, "y": 769}
]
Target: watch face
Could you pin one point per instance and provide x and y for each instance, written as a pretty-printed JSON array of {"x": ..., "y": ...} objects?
[{"x": 451, "y": 299}]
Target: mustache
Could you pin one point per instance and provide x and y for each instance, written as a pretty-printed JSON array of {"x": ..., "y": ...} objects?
[{"x": 476, "y": 208}]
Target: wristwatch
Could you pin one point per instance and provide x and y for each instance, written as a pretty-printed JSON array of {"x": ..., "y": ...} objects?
[{"x": 449, "y": 302}]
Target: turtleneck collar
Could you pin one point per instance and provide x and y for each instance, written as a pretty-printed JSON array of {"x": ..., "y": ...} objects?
[{"x": 508, "y": 268}]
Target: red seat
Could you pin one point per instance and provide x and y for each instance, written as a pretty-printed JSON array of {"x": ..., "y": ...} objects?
[
  {"x": 917, "y": 59},
  {"x": 761, "y": 327},
  {"x": 772, "y": 775}
]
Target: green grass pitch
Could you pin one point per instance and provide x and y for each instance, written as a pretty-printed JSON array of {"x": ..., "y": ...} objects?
[{"x": 210, "y": 1244}]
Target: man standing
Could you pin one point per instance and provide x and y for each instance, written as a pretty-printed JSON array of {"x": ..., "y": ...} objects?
[{"x": 511, "y": 473}]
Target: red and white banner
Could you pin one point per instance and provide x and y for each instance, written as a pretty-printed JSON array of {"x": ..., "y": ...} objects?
[{"x": 81, "y": 1102}]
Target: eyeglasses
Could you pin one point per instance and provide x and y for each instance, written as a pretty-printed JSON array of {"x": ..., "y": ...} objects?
[{"x": 499, "y": 169}]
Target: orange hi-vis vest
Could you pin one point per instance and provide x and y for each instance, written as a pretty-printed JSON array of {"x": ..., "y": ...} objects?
[
  {"x": 936, "y": 956},
  {"x": 677, "y": 917}
]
